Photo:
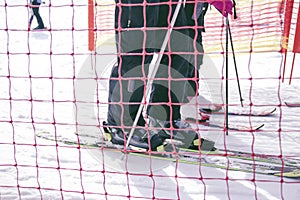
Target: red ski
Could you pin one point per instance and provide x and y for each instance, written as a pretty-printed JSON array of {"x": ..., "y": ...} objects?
[
  {"x": 266, "y": 112},
  {"x": 288, "y": 104},
  {"x": 236, "y": 127}
]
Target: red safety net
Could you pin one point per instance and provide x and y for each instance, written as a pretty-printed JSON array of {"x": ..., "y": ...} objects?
[{"x": 54, "y": 99}]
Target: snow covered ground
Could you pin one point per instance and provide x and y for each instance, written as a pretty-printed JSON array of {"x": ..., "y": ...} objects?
[{"x": 37, "y": 93}]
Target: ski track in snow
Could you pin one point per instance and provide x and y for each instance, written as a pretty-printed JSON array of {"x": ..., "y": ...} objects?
[{"x": 59, "y": 167}]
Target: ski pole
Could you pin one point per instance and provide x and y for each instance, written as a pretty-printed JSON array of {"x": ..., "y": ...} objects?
[
  {"x": 236, "y": 72},
  {"x": 226, "y": 85},
  {"x": 153, "y": 73}
]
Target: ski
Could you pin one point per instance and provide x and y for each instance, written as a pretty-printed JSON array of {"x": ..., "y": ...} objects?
[
  {"x": 289, "y": 104},
  {"x": 266, "y": 112},
  {"x": 229, "y": 163},
  {"x": 236, "y": 164},
  {"x": 286, "y": 160},
  {"x": 236, "y": 127},
  {"x": 271, "y": 159},
  {"x": 216, "y": 159}
]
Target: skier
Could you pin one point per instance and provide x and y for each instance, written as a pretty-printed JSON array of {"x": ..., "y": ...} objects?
[
  {"x": 195, "y": 13},
  {"x": 195, "y": 17},
  {"x": 136, "y": 41},
  {"x": 35, "y": 6}
]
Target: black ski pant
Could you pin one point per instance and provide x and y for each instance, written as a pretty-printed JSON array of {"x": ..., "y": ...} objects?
[{"x": 135, "y": 48}]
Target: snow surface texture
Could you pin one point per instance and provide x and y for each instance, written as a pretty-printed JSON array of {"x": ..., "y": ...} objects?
[{"x": 33, "y": 168}]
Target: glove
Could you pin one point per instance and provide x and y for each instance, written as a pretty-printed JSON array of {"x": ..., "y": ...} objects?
[{"x": 223, "y": 9}]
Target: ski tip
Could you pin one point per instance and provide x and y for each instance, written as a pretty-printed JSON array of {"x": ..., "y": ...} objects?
[
  {"x": 266, "y": 113},
  {"x": 288, "y": 104},
  {"x": 272, "y": 111},
  {"x": 292, "y": 174},
  {"x": 259, "y": 127}
]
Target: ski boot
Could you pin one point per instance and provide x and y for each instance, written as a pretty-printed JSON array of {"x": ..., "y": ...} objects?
[
  {"x": 117, "y": 136},
  {"x": 40, "y": 28},
  {"x": 180, "y": 131}
]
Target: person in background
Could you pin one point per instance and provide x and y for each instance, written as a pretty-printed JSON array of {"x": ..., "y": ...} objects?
[{"x": 35, "y": 6}]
